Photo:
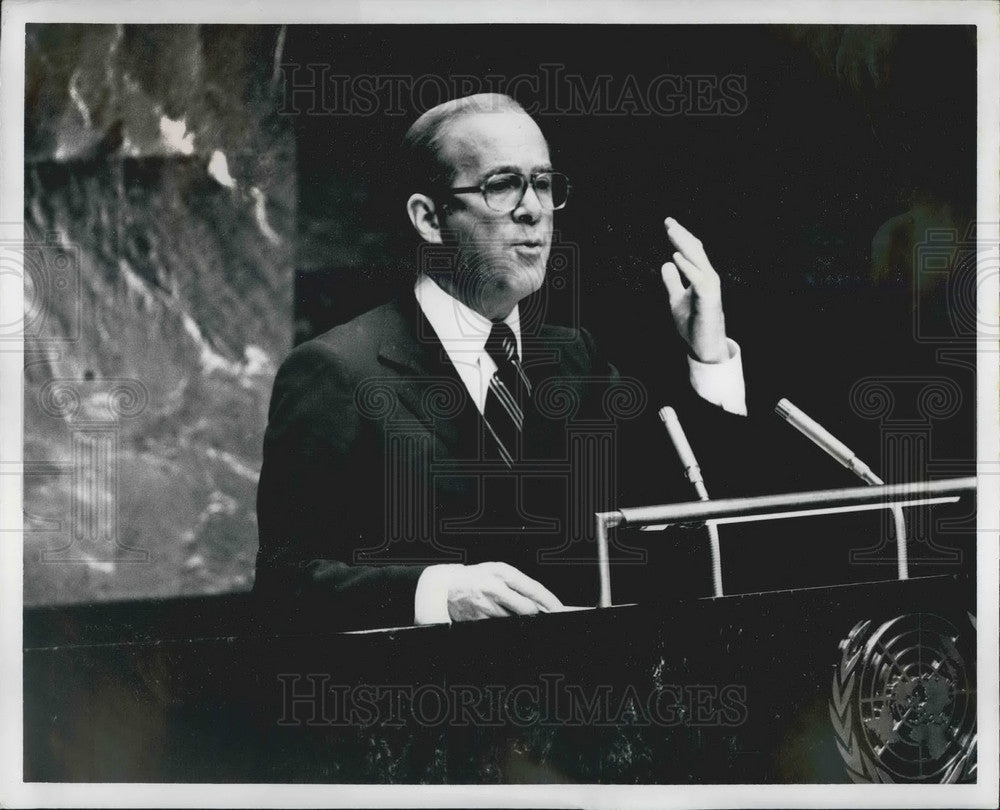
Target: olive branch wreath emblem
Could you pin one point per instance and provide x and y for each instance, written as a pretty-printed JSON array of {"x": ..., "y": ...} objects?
[{"x": 866, "y": 763}]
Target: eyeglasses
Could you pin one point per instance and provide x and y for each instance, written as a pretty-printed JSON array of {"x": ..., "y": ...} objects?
[{"x": 503, "y": 192}]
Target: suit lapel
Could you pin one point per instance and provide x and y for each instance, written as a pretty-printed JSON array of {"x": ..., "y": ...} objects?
[{"x": 428, "y": 384}]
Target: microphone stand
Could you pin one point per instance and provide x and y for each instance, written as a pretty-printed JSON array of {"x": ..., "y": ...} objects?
[{"x": 693, "y": 473}]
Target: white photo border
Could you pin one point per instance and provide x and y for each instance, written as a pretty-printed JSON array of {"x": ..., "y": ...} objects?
[{"x": 17, "y": 13}]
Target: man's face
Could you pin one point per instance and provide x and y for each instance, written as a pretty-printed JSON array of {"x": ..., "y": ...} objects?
[{"x": 502, "y": 256}]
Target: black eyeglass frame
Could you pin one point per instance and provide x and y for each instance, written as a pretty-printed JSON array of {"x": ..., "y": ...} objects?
[{"x": 481, "y": 188}]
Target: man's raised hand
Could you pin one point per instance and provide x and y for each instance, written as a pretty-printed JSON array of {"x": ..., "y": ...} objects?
[{"x": 697, "y": 307}]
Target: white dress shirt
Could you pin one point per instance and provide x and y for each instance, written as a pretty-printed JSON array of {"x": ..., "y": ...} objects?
[{"x": 463, "y": 333}]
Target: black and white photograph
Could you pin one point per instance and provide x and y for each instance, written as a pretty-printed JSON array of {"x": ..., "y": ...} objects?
[{"x": 491, "y": 404}]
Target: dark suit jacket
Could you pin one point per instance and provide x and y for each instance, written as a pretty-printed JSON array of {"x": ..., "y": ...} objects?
[{"x": 376, "y": 465}]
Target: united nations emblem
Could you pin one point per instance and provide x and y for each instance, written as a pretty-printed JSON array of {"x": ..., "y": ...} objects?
[{"x": 903, "y": 705}]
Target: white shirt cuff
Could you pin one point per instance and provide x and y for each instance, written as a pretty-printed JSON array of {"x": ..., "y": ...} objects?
[
  {"x": 721, "y": 383},
  {"x": 430, "y": 604}
]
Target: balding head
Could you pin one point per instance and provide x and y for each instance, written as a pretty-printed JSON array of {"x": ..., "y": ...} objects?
[{"x": 424, "y": 170}]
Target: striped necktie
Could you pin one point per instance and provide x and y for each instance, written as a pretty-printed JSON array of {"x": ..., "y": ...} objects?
[{"x": 509, "y": 395}]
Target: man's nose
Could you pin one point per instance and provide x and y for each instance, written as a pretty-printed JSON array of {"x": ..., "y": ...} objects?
[{"x": 530, "y": 208}]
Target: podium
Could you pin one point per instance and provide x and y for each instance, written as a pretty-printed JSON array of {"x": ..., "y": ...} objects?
[{"x": 863, "y": 682}]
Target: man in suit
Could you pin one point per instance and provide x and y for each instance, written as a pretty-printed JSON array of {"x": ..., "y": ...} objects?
[{"x": 423, "y": 462}]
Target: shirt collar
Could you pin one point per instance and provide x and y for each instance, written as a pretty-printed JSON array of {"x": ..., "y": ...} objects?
[{"x": 461, "y": 330}]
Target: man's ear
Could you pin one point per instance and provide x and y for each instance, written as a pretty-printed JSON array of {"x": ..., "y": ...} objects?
[{"x": 424, "y": 216}]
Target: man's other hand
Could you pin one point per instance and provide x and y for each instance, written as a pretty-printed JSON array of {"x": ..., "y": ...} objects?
[
  {"x": 697, "y": 307},
  {"x": 493, "y": 589}
]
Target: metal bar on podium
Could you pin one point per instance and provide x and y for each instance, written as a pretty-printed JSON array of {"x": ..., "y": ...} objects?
[{"x": 764, "y": 507}]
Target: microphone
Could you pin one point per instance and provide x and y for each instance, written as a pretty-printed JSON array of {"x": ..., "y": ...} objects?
[
  {"x": 693, "y": 474},
  {"x": 690, "y": 464},
  {"x": 826, "y": 441}
]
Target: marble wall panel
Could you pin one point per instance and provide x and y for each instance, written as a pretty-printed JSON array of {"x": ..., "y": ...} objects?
[{"x": 160, "y": 209}]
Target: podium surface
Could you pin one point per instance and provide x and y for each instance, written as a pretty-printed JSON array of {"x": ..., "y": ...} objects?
[{"x": 869, "y": 682}]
